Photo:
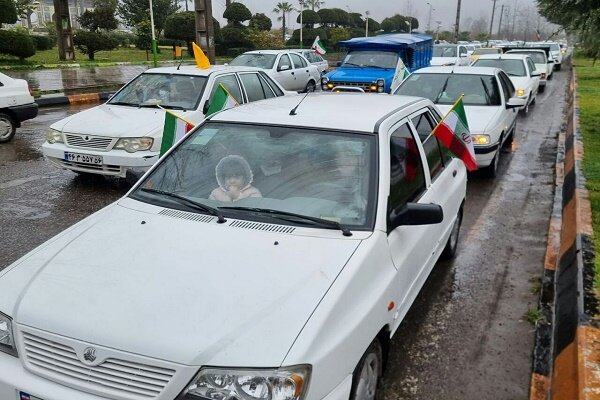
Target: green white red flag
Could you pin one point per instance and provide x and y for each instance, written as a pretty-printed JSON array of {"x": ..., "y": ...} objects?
[
  {"x": 318, "y": 46},
  {"x": 221, "y": 100},
  {"x": 453, "y": 132},
  {"x": 174, "y": 130}
]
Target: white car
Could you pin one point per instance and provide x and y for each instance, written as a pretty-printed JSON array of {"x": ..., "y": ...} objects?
[
  {"x": 555, "y": 53},
  {"x": 450, "y": 54},
  {"x": 271, "y": 254},
  {"x": 544, "y": 66},
  {"x": 521, "y": 70},
  {"x": 16, "y": 105},
  {"x": 489, "y": 101},
  {"x": 124, "y": 135},
  {"x": 315, "y": 59},
  {"x": 290, "y": 69}
]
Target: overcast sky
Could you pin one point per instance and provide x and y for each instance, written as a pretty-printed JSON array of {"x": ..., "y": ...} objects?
[{"x": 443, "y": 10}]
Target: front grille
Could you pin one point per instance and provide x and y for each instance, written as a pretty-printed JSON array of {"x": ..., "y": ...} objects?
[
  {"x": 92, "y": 142},
  {"x": 366, "y": 86},
  {"x": 130, "y": 379}
]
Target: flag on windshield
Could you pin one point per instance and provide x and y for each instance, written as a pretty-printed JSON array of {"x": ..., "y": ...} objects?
[
  {"x": 174, "y": 130},
  {"x": 222, "y": 100},
  {"x": 453, "y": 132},
  {"x": 318, "y": 46}
]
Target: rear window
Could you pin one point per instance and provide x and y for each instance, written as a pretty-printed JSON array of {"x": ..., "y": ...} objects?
[
  {"x": 537, "y": 57},
  {"x": 511, "y": 67},
  {"x": 487, "y": 51}
]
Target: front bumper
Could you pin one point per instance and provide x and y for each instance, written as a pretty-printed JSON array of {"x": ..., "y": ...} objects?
[
  {"x": 24, "y": 112},
  {"x": 485, "y": 154},
  {"x": 115, "y": 162}
]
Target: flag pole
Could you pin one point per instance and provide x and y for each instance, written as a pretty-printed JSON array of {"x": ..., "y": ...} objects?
[{"x": 176, "y": 116}]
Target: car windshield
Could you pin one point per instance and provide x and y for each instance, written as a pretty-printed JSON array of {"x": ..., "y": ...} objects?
[
  {"x": 536, "y": 56},
  {"x": 487, "y": 51},
  {"x": 478, "y": 90},
  {"x": 511, "y": 67},
  {"x": 554, "y": 47},
  {"x": 264, "y": 61},
  {"x": 444, "y": 51},
  {"x": 167, "y": 90},
  {"x": 315, "y": 173},
  {"x": 380, "y": 59}
]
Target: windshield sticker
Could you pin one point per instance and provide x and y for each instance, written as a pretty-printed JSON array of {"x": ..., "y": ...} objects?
[{"x": 205, "y": 137}]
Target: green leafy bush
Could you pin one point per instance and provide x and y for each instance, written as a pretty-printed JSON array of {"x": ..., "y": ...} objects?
[
  {"x": 43, "y": 42},
  {"x": 16, "y": 44},
  {"x": 124, "y": 39},
  {"x": 236, "y": 37}
]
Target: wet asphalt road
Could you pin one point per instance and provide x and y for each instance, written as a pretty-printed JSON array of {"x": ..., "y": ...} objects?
[{"x": 464, "y": 338}]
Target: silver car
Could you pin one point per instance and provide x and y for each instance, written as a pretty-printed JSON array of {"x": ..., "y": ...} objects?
[{"x": 314, "y": 58}]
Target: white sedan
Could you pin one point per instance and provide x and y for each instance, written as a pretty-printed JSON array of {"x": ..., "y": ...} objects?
[
  {"x": 490, "y": 105},
  {"x": 521, "y": 70},
  {"x": 289, "y": 68},
  {"x": 542, "y": 65},
  {"x": 271, "y": 254}
]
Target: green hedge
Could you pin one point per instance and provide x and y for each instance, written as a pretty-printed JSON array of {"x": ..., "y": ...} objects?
[
  {"x": 16, "y": 44},
  {"x": 43, "y": 42}
]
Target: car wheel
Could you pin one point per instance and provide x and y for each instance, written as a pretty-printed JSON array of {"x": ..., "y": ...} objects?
[
  {"x": 492, "y": 170},
  {"x": 366, "y": 376},
  {"x": 310, "y": 87},
  {"x": 558, "y": 67},
  {"x": 525, "y": 110},
  {"x": 7, "y": 128},
  {"x": 452, "y": 244},
  {"x": 534, "y": 100},
  {"x": 542, "y": 89},
  {"x": 511, "y": 137}
]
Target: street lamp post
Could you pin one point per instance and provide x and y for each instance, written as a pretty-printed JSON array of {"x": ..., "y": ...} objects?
[
  {"x": 367, "y": 13},
  {"x": 429, "y": 19},
  {"x": 301, "y": 22},
  {"x": 154, "y": 47}
]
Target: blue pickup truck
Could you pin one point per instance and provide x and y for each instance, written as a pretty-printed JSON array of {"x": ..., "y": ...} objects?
[{"x": 378, "y": 64}]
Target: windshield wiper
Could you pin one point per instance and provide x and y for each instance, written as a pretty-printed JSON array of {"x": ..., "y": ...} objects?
[
  {"x": 194, "y": 204},
  {"x": 376, "y": 66},
  {"x": 437, "y": 98},
  {"x": 351, "y": 64},
  {"x": 281, "y": 214},
  {"x": 122, "y": 103}
]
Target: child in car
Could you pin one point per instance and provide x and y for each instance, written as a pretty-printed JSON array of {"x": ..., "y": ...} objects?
[{"x": 234, "y": 177}]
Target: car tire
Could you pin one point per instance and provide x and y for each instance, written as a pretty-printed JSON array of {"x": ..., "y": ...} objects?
[
  {"x": 452, "y": 244},
  {"x": 367, "y": 374},
  {"x": 525, "y": 109},
  {"x": 511, "y": 137},
  {"x": 7, "y": 128},
  {"x": 558, "y": 67},
  {"x": 491, "y": 171},
  {"x": 534, "y": 100},
  {"x": 311, "y": 86},
  {"x": 542, "y": 89}
]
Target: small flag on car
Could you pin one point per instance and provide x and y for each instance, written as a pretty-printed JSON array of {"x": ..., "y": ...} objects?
[
  {"x": 174, "y": 130},
  {"x": 453, "y": 132},
  {"x": 222, "y": 100},
  {"x": 318, "y": 46},
  {"x": 202, "y": 61}
]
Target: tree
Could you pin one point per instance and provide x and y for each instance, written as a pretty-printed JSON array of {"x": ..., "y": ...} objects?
[
  {"x": 16, "y": 43},
  {"x": 356, "y": 20},
  {"x": 182, "y": 26},
  {"x": 135, "y": 11},
  {"x": 265, "y": 39},
  {"x": 342, "y": 17},
  {"x": 261, "y": 22},
  {"x": 309, "y": 18},
  {"x": 237, "y": 13},
  {"x": 101, "y": 18},
  {"x": 312, "y": 4},
  {"x": 92, "y": 42},
  {"x": 374, "y": 26},
  {"x": 337, "y": 35},
  {"x": 8, "y": 12},
  {"x": 282, "y": 8},
  {"x": 388, "y": 25},
  {"x": 25, "y": 9},
  {"x": 328, "y": 16},
  {"x": 143, "y": 36}
]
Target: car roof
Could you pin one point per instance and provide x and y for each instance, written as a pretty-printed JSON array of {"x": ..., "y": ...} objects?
[
  {"x": 267, "y": 51},
  {"x": 193, "y": 70},
  {"x": 505, "y": 56},
  {"x": 458, "y": 70},
  {"x": 525, "y": 49},
  {"x": 321, "y": 110}
]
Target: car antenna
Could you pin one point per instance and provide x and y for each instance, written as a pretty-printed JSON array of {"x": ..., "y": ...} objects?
[
  {"x": 180, "y": 62},
  {"x": 293, "y": 112}
]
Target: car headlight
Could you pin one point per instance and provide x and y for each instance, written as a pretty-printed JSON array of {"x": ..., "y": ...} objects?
[
  {"x": 131, "y": 145},
  {"x": 520, "y": 92},
  {"x": 7, "y": 340},
  {"x": 325, "y": 83},
  {"x": 54, "y": 136},
  {"x": 380, "y": 85},
  {"x": 480, "y": 139},
  {"x": 249, "y": 384}
]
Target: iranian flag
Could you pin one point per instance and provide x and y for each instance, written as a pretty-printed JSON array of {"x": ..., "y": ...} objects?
[
  {"x": 318, "y": 47},
  {"x": 222, "y": 100},
  {"x": 453, "y": 132},
  {"x": 174, "y": 130}
]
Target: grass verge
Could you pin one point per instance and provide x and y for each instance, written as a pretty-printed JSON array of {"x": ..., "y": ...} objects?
[{"x": 588, "y": 90}]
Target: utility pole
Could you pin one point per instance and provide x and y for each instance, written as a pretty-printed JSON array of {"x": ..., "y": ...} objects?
[
  {"x": 457, "y": 26},
  {"x": 301, "y": 22},
  {"x": 367, "y": 13},
  {"x": 205, "y": 37},
  {"x": 63, "y": 29},
  {"x": 429, "y": 19},
  {"x": 154, "y": 45},
  {"x": 500, "y": 24},
  {"x": 492, "y": 22}
]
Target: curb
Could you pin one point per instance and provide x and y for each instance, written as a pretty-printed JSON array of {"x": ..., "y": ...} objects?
[
  {"x": 566, "y": 362},
  {"x": 60, "y": 100}
]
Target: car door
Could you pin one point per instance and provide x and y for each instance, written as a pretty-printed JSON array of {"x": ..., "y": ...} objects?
[
  {"x": 284, "y": 73},
  {"x": 301, "y": 70},
  {"x": 535, "y": 80},
  {"x": 253, "y": 88},
  {"x": 410, "y": 246},
  {"x": 508, "y": 92}
]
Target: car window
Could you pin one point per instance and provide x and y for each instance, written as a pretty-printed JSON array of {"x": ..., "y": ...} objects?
[
  {"x": 231, "y": 84},
  {"x": 407, "y": 179},
  {"x": 266, "y": 88},
  {"x": 531, "y": 65},
  {"x": 444, "y": 51},
  {"x": 254, "y": 89},
  {"x": 511, "y": 67},
  {"x": 265, "y": 61},
  {"x": 272, "y": 84},
  {"x": 297, "y": 60},
  {"x": 507, "y": 86},
  {"x": 462, "y": 51},
  {"x": 424, "y": 125},
  {"x": 370, "y": 58},
  {"x": 284, "y": 61}
]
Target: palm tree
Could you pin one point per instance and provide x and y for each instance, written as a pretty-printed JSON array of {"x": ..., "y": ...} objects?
[
  {"x": 284, "y": 8},
  {"x": 314, "y": 4}
]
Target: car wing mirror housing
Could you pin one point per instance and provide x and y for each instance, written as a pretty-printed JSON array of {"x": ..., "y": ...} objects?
[
  {"x": 284, "y": 68},
  {"x": 415, "y": 214},
  {"x": 515, "y": 102}
]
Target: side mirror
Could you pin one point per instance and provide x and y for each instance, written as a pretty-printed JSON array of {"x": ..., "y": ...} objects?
[
  {"x": 415, "y": 214},
  {"x": 205, "y": 107},
  {"x": 515, "y": 102},
  {"x": 536, "y": 73},
  {"x": 284, "y": 68}
]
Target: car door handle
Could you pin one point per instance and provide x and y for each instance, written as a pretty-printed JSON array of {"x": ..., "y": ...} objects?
[
  {"x": 454, "y": 174},
  {"x": 293, "y": 73}
]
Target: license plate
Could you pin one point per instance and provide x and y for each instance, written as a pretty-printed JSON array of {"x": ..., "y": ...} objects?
[
  {"x": 25, "y": 396},
  {"x": 83, "y": 158}
]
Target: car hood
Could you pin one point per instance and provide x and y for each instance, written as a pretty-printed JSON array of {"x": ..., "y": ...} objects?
[
  {"x": 443, "y": 61},
  {"x": 478, "y": 117},
  {"x": 175, "y": 289},
  {"x": 360, "y": 74},
  {"x": 117, "y": 121},
  {"x": 520, "y": 82}
]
